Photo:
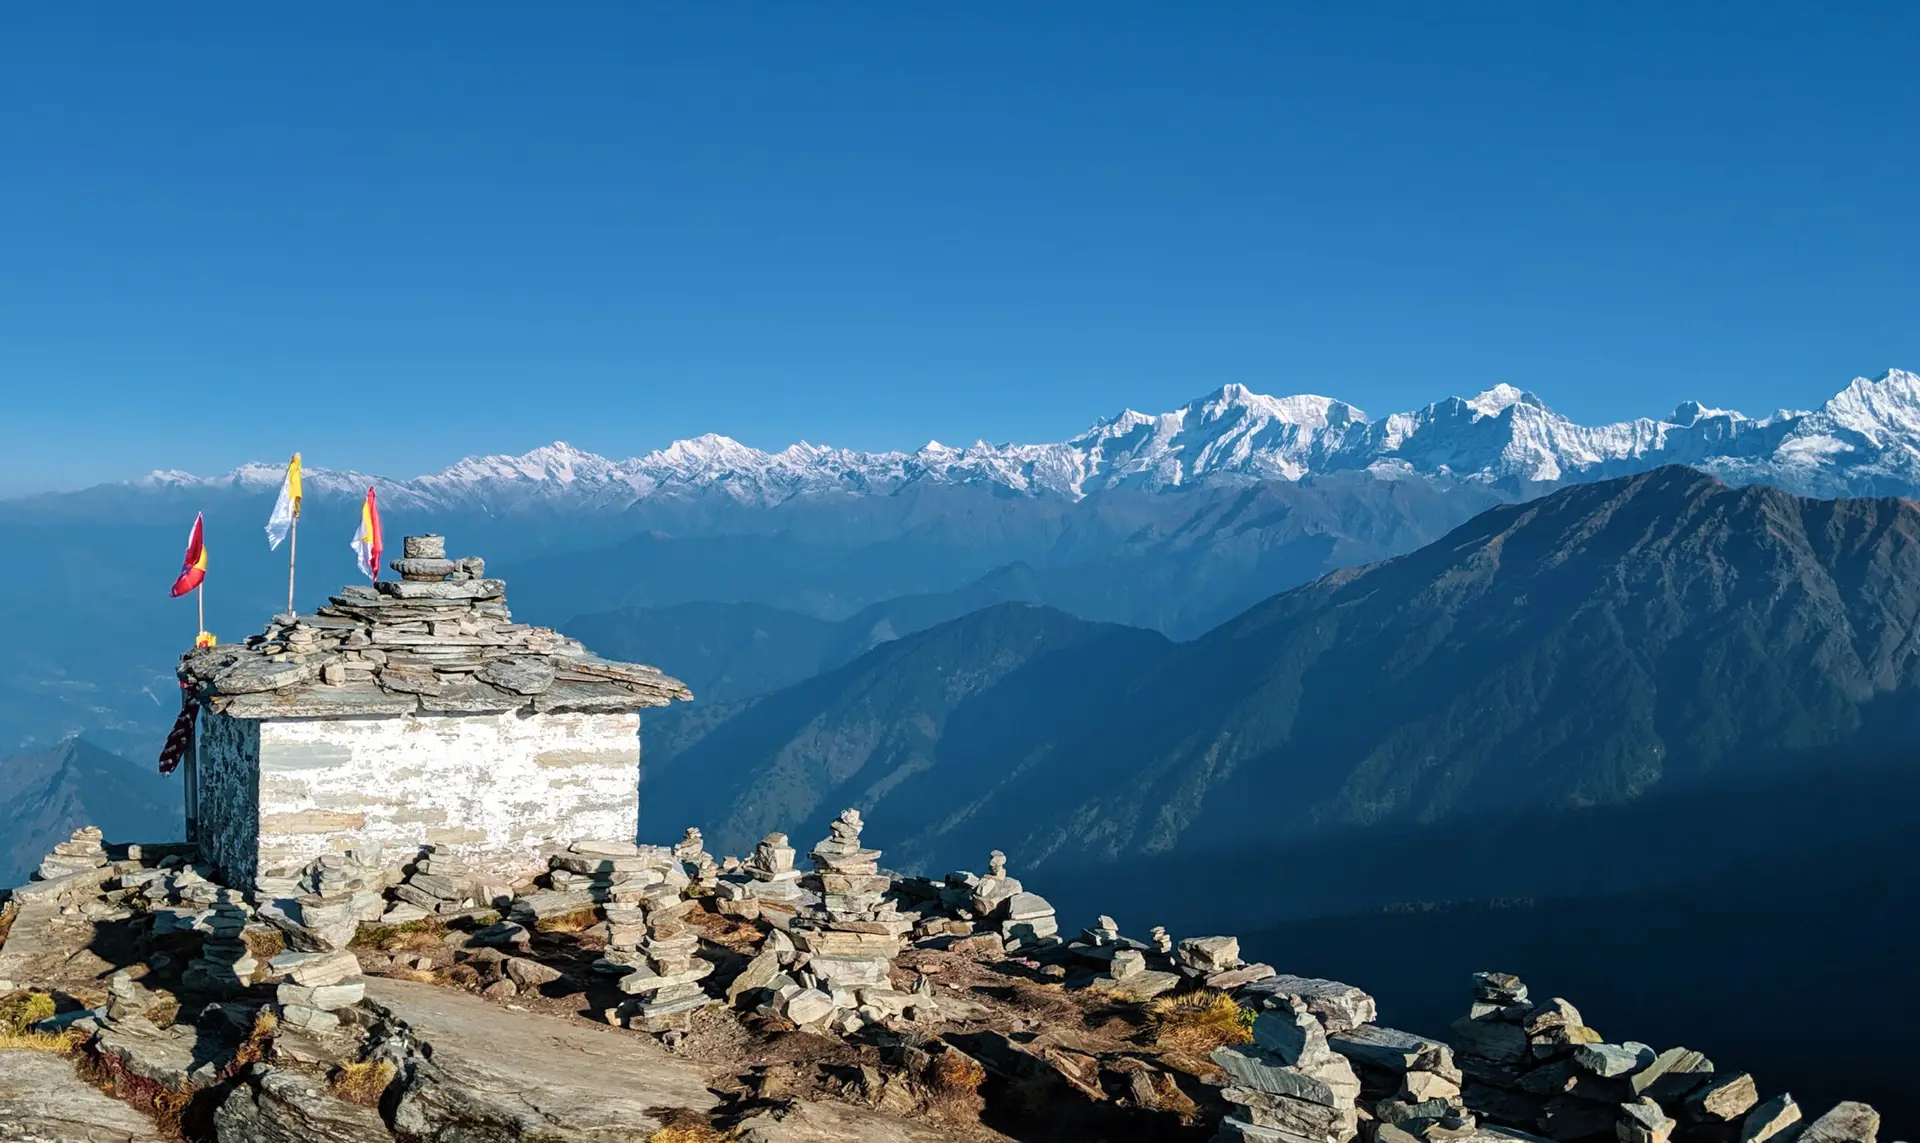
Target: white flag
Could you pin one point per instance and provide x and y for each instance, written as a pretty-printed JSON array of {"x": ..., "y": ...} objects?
[{"x": 286, "y": 509}]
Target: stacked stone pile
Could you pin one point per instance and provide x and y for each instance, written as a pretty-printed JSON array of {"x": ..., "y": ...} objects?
[
  {"x": 1026, "y": 922},
  {"x": 1127, "y": 976},
  {"x": 766, "y": 885},
  {"x": 667, "y": 982},
  {"x": 179, "y": 897},
  {"x": 316, "y": 986},
  {"x": 592, "y": 873},
  {"x": 1098, "y": 942},
  {"x": 1214, "y": 962},
  {"x": 840, "y": 953},
  {"x": 1123, "y": 962},
  {"x": 1410, "y": 1085},
  {"x": 702, "y": 871},
  {"x": 849, "y": 943},
  {"x": 440, "y": 639},
  {"x": 438, "y": 884},
  {"x": 942, "y": 910},
  {"x": 1539, "y": 1067},
  {"x": 1289, "y": 1085},
  {"x": 80, "y": 853},
  {"x": 225, "y": 965}
]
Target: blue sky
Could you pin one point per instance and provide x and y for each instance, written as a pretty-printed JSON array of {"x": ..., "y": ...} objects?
[{"x": 393, "y": 235}]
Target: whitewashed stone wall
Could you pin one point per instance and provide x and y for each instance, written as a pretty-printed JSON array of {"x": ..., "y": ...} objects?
[{"x": 493, "y": 788}]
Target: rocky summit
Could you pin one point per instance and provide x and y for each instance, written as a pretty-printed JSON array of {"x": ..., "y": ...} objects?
[{"x": 637, "y": 993}]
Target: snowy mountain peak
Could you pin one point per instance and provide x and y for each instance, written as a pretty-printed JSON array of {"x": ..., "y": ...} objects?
[
  {"x": 1865, "y": 439},
  {"x": 1492, "y": 402},
  {"x": 1881, "y": 408}
]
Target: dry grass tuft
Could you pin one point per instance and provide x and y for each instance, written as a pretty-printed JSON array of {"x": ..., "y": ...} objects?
[
  {"x": 263, "y": 943},
  {"x": 254, "y": 1048},
  {"x": 461, "y": 976},
  {"x": 418, "y": 975},
  {"x": 22, "y": 1010},
  {"x": 423, "y": 935},
  {"x": 579, "y": 919},
  {"x": 59, "y": 1043},
  {"x": 953, "y": 1087},
  {"x": 683, "y": 1126},
  {"x": 1198, "y": 1022},
  {"x": 362, "y": 1082}
]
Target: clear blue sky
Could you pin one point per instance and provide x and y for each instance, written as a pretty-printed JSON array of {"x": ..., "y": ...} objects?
[{"x": 392, "y": 235}]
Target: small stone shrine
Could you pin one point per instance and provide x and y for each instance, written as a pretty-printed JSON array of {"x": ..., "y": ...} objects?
[{"x": 408, "y": 713}]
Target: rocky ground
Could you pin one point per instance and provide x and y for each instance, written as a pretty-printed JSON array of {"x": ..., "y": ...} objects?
[{"x": 642, "y": 994}]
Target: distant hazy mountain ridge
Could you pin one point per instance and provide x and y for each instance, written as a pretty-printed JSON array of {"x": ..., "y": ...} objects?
[
  {"x": 1661, "y": 632},
  {"x": 1864, "y": 441}
]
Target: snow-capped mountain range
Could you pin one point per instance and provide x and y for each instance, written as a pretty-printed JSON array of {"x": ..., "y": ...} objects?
[{"x": 1864, "y": 441}]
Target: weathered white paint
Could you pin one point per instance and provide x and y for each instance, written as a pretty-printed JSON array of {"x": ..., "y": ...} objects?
[{"x": 493, "y": 788}]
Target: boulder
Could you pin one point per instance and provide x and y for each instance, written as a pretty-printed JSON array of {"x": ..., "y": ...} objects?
[
  {"x": 529, "y": 974},
  {"x": 1777, "y": 1119},
  {"x": 1642, "y": 1121},
  {"x": 758, "y": 975},
  {"x": 1724, "y": 1098},
  {"x": 1848, "y": 1122},
  {"x": 276, "y": 1105},
  {"x": 43, "y": 1100},
  {"x": 1341, "y": 1007},
  {"x": 1205, "y": 955}
]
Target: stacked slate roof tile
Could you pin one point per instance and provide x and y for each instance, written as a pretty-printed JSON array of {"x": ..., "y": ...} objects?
[{"x": 438, "y": 640}]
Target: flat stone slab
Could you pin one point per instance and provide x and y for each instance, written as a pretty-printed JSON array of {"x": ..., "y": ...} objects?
[
  {"x": 43, "y": 1099},
  {"x": 835, "y": 1123},
  {"x": 494, "y": 1073},
  {"x": 179, "y": 1058}
]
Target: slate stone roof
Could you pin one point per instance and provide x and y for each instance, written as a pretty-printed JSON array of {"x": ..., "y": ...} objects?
[{"x": 439, "y": 640}]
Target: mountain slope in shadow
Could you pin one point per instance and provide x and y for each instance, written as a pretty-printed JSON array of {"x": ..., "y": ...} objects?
[
  {"x": 1661, "y": 633},
  {"x": 47, "y": 794}
]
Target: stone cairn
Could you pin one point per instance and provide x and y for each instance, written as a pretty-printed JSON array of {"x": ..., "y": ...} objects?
[
  {"x": 80, "y": 853},
  {"x": 1289, "y": 1085},
  {"x": 667, "y": 982},
  {"x": 593, "y": 873},
  {"x": 1318, "y": 1068},
  {"x": 1024, "y": 921},
  {"x": 1124, "y": 960},
  {"x": 439, "y": 884},
  {"x": 637, "y": 890},
  {"x": 851, "y": 940},
  {"x": 764, "y": 886},
  {"x": 1214, "y": 962},
  {"x": 315, "y": 986},
  {"x": 700, "y": 867}
]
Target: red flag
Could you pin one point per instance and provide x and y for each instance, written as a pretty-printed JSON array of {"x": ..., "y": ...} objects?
[
  {"x": 366, "y": 538},
  {"x": 194, "y": 568}
]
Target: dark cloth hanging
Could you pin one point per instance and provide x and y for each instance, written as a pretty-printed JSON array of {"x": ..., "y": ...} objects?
[{"x": 180, "y": 738}]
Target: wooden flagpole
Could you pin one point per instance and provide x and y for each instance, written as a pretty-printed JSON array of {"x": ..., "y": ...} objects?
[
  {"x": 293, "y": 547},
  {"x": 200, "y": 597}
]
